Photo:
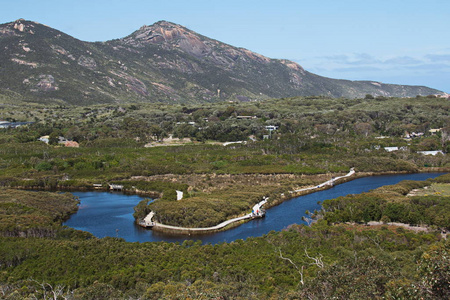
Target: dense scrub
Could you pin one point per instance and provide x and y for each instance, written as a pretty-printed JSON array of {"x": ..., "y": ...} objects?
[
  {"x": 390, "y": 204},
  {"x": 315, "y": 136},
  {"x": 209, "y": 209},
  {"x": 31, "y": 214},
  {"x": 317, "y": 262}
]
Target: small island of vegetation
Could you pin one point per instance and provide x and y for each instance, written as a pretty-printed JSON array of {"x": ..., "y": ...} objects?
[{"x": 224, "y": 158}]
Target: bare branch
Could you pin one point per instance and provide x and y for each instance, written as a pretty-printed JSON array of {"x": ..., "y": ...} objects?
[
  {"x": 48, "y": 290},
  {"x": 292, "y": 263},
  {"x": 307, "y": 220},
  {"x": 317, "y": 260},
  {"x": 375, "y": 242}
]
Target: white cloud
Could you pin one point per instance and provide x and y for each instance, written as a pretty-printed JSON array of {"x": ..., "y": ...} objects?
[
  {"x": 358, "y": 69},
  {"x": 438, "y": 57},
  {"x": 432, "y": 69},
  {"x": 402, "y": 60},
  {"x": 351, "y": 59}
]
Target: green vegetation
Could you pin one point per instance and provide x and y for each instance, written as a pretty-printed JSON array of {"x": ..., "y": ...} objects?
[
  {"x": 389, "y": 204},
  {"x": 321, "y": 261},
  {"x": 31, "y": 214},
  {"x": 314, "y": 135},
  {"x": 60, "y": 69},
  {"x": 316, "y": 138}
]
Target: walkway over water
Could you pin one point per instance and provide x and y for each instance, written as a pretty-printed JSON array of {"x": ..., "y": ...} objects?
[
  {"x": 111, "y": 214},
  {"x": 257, "y": 212}
]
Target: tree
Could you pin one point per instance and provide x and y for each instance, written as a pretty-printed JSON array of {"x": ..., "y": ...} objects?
[
  {"x": 74, "y": 134},
  {"x": 54, "y": 137},
  {"x": 435, "y": 270},
  {"x": 445, "y": 137},
  {"x": 157, "y": 131},
  {"x": 364, "y": 128}
]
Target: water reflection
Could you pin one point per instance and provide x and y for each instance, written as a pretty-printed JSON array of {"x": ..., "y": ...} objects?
[{"x": 111, "y": 214}]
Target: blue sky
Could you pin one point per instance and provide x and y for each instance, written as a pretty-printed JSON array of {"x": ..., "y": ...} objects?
[{"x": 391, "y": 41}]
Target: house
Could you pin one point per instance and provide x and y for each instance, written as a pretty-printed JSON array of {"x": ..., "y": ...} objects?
[
  {"x": 72, "y": 144},
  {"x": 413, "y": 135},
  {"x": 434, "y": 131},
  {"x": 271, "y": 127},
  {"x": 391, "y": 149},
  {"x": 431, "y": 152},
  {"x": 116, "y": 187},
  {"x": 62, "y": 140},
  {"x": 189, "y": 123},
  {"x": 237, "y": 142},
  {"x": 246, "y": 117},
  {"x": 6, "y": 124},
  {"x": 44, "y": 139}
]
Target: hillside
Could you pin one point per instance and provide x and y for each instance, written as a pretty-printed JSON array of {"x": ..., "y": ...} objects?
[{"x": 164, "y": 62}]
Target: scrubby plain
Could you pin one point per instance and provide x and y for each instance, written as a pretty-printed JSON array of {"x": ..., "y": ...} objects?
[{"x": 315, "y": 138}]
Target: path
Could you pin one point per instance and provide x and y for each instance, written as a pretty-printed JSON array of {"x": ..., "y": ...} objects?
[
  {"x": 329, "y": 182},
  {"x": 256, "y": 211}
]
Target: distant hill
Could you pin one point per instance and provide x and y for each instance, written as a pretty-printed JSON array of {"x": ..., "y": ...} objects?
[{"x": 164, "y": 62}]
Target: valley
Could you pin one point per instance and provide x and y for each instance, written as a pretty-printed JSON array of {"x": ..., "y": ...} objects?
[{"x": 166, "y": 111}]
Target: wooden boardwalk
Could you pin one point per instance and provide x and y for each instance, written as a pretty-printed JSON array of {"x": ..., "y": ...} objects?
[
  {"x": 329, "y": 182},
  {"x": 257, "y": 212}
]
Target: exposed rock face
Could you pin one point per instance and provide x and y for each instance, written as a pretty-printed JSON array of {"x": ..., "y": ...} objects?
[
  {"x": 137, "y": 86},
  {"x": 132, "y": 83},
  {"x": 47, "y": 83},
  {"x": 43, "y": 83},
  {"x": 60, "y": 50},
  {"x": 87, "y": 62},
  {"x": 173, "y": 36},
  {"x": 6, "y": 32},
  {"x": 23, "y": 62},
  {"x": 162, "y": 62},
  {"x": 19, "y": 26}
]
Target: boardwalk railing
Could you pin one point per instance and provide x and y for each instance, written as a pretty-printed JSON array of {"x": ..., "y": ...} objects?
[{"x": 257, "y": 211}]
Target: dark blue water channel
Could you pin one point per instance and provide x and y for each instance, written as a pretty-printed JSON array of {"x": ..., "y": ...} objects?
[{"x": 111, "y": 214}]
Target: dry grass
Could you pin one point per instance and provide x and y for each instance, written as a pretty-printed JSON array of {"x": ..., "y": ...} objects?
[{"x": 436, "y": 189}]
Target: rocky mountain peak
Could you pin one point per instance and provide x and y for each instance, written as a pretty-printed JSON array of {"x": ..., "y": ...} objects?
[
  {"x": 18, "y": 27},
  {"x": 169, "y": 36},
  {"x": 158, "y": 33},
  {"x": 159, "y": 62}
]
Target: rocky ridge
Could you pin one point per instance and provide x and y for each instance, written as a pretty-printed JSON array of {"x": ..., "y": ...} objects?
[{"x": 164, "y": 62}]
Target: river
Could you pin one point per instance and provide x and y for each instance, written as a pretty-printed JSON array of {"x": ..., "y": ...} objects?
[{"x": 111, "y": 214}]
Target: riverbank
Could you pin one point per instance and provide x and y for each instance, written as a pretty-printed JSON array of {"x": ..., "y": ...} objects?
[
  {"x": 103, "y": 213},
  {"x": 231, "y": 187},
  {"x": 256, "y": 212},
  {"x": 352, "y": 175}
]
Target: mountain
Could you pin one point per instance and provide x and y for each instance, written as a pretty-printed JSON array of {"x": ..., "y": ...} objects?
[{"x": 164, "y": 62}]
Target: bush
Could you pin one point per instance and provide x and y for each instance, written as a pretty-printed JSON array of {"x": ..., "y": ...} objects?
[{"x": 44, "y": 166}]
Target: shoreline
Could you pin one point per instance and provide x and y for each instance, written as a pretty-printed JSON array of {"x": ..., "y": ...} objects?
[
  {"x": 257, "y": 213},
  {"x": 175, "y": 230},
  {"x": 170, "y": 229},
  {"x": 83, "y": 188}
]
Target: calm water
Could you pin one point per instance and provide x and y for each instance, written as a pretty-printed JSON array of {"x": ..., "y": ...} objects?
[{"x": 111, "y": 214}]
